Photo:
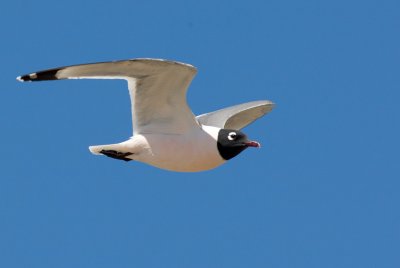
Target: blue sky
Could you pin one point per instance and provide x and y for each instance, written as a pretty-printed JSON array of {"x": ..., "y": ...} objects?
[{"x": 321, "y": 192}]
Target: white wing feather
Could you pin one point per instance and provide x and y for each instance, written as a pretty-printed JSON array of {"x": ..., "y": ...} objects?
[
  {"x": 157, "y": 89},
  {"x": 238, "y": 116}
]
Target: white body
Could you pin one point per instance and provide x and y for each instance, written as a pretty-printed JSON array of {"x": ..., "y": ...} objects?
[{"x": 189, "y": 152}]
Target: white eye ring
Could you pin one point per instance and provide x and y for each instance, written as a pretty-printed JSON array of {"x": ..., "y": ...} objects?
[{"x": 232, "y": 136}]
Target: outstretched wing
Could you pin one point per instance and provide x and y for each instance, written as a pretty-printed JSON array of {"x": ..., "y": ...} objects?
[
  {"x": 238, "y": 116},
  {"x": 157, "y": 89}
]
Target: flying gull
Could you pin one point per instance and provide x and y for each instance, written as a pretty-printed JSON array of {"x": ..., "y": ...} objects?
[{"x": 166, "y": 134}]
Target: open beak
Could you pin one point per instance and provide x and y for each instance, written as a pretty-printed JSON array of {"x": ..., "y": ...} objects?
[{"x": 252, "y": 144}]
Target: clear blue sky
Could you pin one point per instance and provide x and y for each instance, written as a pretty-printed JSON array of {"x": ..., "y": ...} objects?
[{"x": 323, "y": 191}]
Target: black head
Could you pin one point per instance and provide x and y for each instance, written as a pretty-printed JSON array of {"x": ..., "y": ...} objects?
[{"x": 232, "y": 142}]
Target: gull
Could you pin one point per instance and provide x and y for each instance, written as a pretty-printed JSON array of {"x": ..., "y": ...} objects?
[{"x": 166, "y": 134}]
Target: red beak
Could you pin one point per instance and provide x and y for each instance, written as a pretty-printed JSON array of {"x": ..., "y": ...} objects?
[{"x": 252, "y": 144}]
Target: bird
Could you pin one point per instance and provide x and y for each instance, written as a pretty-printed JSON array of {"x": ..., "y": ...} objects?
[{"x": 166, "y": 133}]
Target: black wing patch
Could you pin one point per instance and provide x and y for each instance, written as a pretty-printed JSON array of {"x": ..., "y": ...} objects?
[{"x": 40, "y": 76}]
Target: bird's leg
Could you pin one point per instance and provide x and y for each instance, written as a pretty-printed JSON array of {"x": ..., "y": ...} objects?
[{"x": 117, "y": 155}]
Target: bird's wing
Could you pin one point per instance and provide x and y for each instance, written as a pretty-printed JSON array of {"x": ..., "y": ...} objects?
[
  {"x": 238, "y": 116},
  {"x": 157, "y": 89}
]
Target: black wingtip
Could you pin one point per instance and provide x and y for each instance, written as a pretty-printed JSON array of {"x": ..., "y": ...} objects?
[
  {"x": 23, "y": 78},
  {"x": 39, "y": 76}
]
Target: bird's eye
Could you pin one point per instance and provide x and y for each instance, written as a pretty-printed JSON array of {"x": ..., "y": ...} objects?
[{"x": 232, "y": 136}]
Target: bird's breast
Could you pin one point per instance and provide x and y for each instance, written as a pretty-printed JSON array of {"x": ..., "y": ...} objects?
[{"x": 190, "y": 152}]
